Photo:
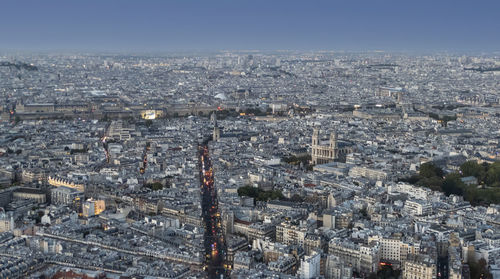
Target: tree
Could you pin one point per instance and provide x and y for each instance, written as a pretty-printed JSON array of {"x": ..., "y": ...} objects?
[
  {"x": 453, "y": 185},
  {"x": 148, "y": 123},
  {"x": 276, "y": 195},
  {"x": 472, "y": 168},
  {"x": 363, "y": 212},
  {"x": 493, "y": 175},
  {"x": 248, "y": 191},
  {"x": 430, "y": 170},
  {"x": 260, "y": 195},
  {"x": 479, "y": 270},
  {"x": 296, "y": 198},
  {"x": 412, "y": 179},
  {"x": 293, "y": 160},
  {"x": 433, "y": 182},
  {"x": 155, "y": 186},
  {"x": 431, "y": 177}
]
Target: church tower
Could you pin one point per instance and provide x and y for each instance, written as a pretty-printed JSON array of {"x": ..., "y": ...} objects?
[
  {"x": 315, "y": 137},
  {"x": 213, "y": 118},
  {"x": 322, "y": 154},
  {"x": 216, "y": 134},
  {"x": 333, "y": 140}
]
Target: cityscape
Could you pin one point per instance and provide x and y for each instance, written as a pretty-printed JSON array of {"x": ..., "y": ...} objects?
[{"x": 328, "y": 164}]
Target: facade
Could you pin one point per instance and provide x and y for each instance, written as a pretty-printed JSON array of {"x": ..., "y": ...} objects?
[
  {"x": 64, "y": 195},
  {"x": 313, "y": 242},
  {"x": 371, "y": 174},
  {"x": 58, "y": 182},
  {"x": 234, "y": 245},
  {"x": 309, "y": 267},
  {"x": 33, "y": 175},
  {"x": 329, "y": 220},
  {"x": 419, "y": 267},
  {"x": 284, "y": 264},
  {"x": 289, "y": 234},
  {"x": 227, "y": 221},
  {"x": 35, "y": 108},
  {"x": 93, "y": 207},
  {"x": 254, "y": 230},
  {"x": 394, "y": 249},
  {"x": 336, "y": 269},
  {"x": 242, "y": 260},
  {"x": 418, "y": 207},
  {"x": 322, "y": 154},
  {"x": 260, "y": 231},
  {"x": 31, "y": 194},
  {"x": 6, "y": 221},
  {"x": 363, "y": 258}
]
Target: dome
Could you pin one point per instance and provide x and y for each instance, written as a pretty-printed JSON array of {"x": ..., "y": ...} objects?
[{"x": 221, "y": 96}]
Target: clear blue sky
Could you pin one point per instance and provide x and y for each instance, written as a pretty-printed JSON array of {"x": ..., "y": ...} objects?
[{"x": 147, "y": 25}]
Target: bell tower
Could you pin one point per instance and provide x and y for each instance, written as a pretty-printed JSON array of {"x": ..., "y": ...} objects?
[
  {"x": 315, "y": 137},
  {"x": 216, "y": 134},
  {"x": 333, "y": 140}
]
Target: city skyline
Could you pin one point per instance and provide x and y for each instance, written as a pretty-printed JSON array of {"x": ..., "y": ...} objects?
[{"x": 250, "y": 139}]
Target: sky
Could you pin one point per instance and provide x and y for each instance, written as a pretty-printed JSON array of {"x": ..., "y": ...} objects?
[{"x": 205, "y": 25}]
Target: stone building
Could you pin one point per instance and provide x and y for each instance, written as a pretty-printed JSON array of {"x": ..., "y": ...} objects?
[{"x": 325, "y": 153}]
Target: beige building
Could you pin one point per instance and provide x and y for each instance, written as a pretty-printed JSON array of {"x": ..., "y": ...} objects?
[
  {"x": 31, "y": 194},
  {"x": 395, "y": 249},
  {"x": 369, "y": 173},
  {"x": 362, "y": 258},
  {"x": 29, "y": 176},
  {"x": 93, "y": 207},
  {"x": 289, "y": 233},
  {"x": 312, "y": 243},
  {"x": 35, "y": 108},
  {"x": 419, "y": 267},
  {"x": 253, "y": 230},
  {"x": 58, "y": 182},
  {"x": 64, "y": 195},
  {"x": 6, "y": 221},
  {"x": 334, "y": 150}
]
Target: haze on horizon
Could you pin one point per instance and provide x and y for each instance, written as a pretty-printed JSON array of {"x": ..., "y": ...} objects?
[{"x": 155, "y": 26}]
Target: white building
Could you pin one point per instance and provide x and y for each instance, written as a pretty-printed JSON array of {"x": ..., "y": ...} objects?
[
  {"x": 418, "y": 207},
  {"x": 371, "y": 174},
  {"x": 310, "y": 266},
  {"x": 395, "y": 249}
]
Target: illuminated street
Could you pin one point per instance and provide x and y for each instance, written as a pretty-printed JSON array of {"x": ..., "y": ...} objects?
[{"x": 214, "y": 242}]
